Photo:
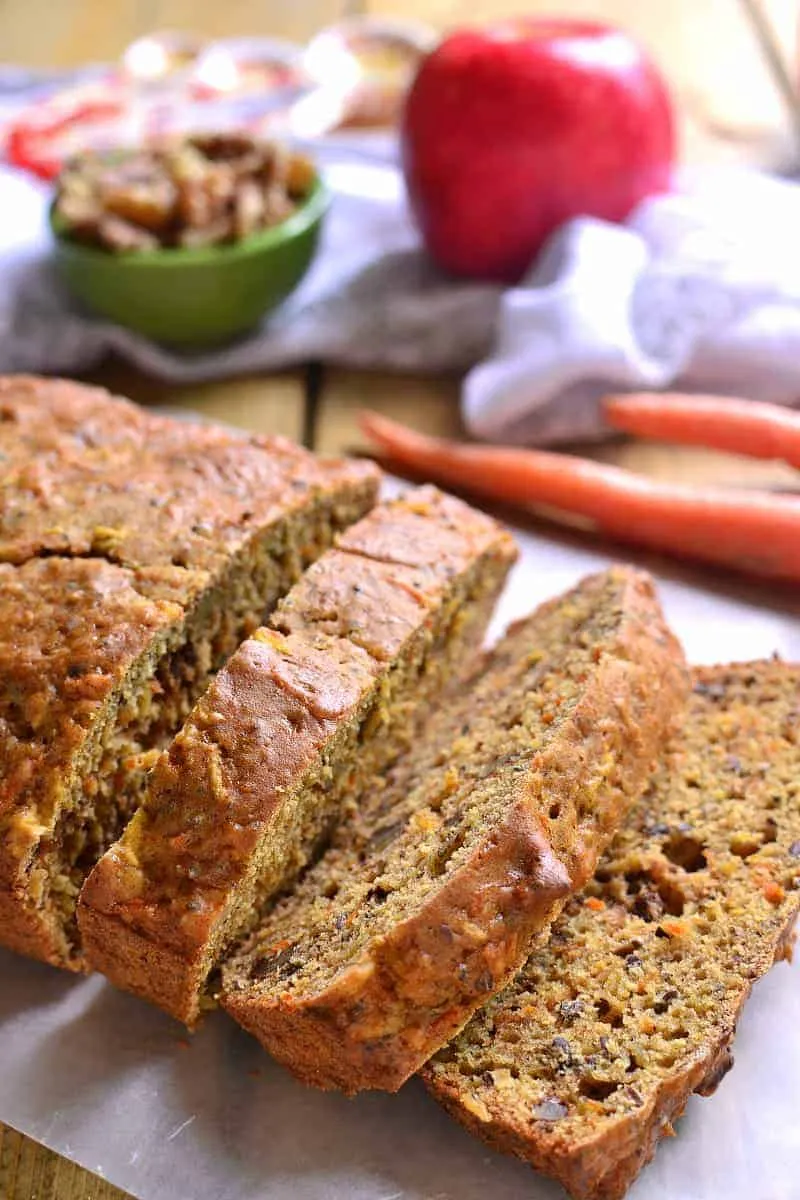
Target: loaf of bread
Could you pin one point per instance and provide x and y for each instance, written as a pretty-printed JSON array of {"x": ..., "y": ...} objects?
[
  {"x": 291, "y": 735},
  {"x": 427, "y": 899},
  {"x": 584, "y": 1062},
  {"x": 135, "y": 553}
]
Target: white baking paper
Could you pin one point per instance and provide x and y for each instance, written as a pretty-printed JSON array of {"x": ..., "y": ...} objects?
[{"x": 121, "y": 1089}]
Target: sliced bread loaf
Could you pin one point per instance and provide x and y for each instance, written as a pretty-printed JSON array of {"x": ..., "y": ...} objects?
[
  {"x": 135, "y": 554},
  {"x": 426, "y": 901},
  {"x": 584, "y": 1062},
  {"x": 293, "y": 731}
]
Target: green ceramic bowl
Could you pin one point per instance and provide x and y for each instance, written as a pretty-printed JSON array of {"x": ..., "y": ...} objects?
[{"x": 195, "y": 297}]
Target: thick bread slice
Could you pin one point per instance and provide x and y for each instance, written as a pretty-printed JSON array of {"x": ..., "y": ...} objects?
[
  {"x": 86, "y": 474},
  {"x": 135, "y": 553},
  {"x": 290, "y": 735},
  {"x": 584, "y": 1062},
  {"x": 427, "y": 902}
]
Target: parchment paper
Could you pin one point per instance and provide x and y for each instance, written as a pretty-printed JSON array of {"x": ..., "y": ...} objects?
[{"x": 105, "y": 1080}]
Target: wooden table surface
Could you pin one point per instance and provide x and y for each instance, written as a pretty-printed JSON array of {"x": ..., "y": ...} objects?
[{"x": 730, "y": 111}]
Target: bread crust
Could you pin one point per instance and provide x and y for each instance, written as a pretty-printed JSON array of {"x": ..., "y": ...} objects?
[
  {"x": 410, "y": 990},
  {"x": 116, "y": 527},
  {"x": 153, "y": 906},
  {"x": 418, "y": 984},
  {"x": 89, "y": 474},
  {"x": 150, "y": 905}
]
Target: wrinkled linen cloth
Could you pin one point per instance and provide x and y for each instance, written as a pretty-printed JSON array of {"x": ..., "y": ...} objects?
[{"x": 700, "y": 290}]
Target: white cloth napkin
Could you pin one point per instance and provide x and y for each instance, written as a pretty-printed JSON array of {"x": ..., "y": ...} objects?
[{"x": 700, "y": 290}]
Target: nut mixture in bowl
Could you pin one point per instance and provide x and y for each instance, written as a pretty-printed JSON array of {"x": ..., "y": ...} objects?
[{"x": 204, "y": 190}]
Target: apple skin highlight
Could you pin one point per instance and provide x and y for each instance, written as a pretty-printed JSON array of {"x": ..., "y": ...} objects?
[{"x": 511, "y": 130}]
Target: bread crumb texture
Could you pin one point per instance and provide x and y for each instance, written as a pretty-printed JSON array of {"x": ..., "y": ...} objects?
[
  {"x": 135, "y": 553},
  {"x": 290, "y": 737},
  {"x": 583, "y": 1063},
  {"x": 428, "y": 896}
]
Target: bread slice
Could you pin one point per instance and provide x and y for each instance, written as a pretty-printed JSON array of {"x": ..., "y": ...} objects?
[
  {"x": 292, "y": 732},
  {"x": 584, "y": 1062},
  {"x": 426, "y": 902},
  {"x": 135, "y": 553}
]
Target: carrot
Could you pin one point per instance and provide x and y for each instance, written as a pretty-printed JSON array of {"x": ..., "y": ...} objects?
[
  {"x": 675, "y": 928},
  {"x": 739, "y": 426},
  {"x": 771, "y": 890},
  {"x": 754, "y": 531}
]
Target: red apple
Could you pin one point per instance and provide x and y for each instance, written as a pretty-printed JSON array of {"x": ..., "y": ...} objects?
[{"x": 511, "y": 130}]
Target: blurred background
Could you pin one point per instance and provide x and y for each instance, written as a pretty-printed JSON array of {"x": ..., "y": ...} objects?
[{"x": 727, "y": 91}]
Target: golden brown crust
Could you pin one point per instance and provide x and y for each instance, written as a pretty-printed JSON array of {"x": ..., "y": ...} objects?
[
  {"x": 742, "y": 724},
  {"x": 407, "y": 551},
  {"x": 85, "y": 473},
  {"x": 115, "y": 527},
  {"x": 402, "y": 533},
  {"x": 24, "y": 932},
  {"x": 379, "y": 1019},
  {"x": 154, "y": 904},
  {"x": 149, "y": 907}
]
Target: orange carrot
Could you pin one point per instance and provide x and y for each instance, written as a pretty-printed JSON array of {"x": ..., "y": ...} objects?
[
  {"x": 771, "y": 890},
  {"x": 721, "y": 423},
  {"x": 674, "y": 928},
  {"x": 753, "y": 531}
]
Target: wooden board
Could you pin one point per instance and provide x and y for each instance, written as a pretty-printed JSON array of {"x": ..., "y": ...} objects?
[
  {"x": 427, "y": 403},
  {"x": 258, "y": 403},
  {"x": 64, "y": 33},
  {"x": 30, "y": 1172}
]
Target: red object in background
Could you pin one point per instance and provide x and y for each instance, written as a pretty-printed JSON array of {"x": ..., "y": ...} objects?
[
  {"x": 35, "y": 144},
  {"x": 511, "y": 130}
]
